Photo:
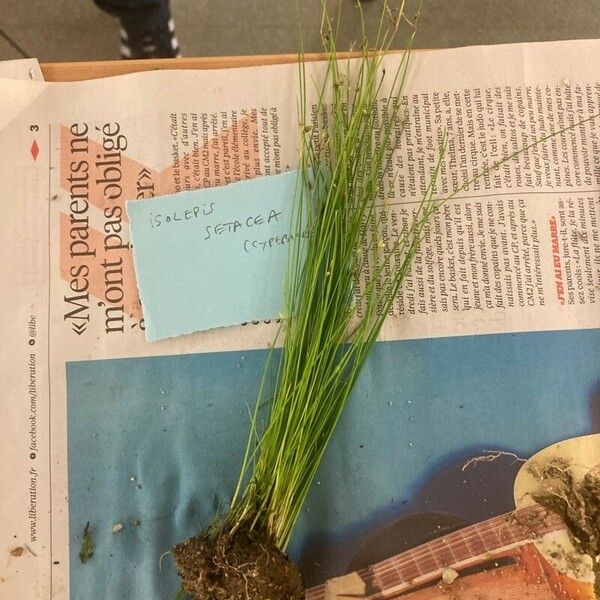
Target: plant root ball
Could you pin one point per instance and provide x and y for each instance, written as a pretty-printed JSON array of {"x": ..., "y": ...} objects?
[{"x": 242, "y": 566}]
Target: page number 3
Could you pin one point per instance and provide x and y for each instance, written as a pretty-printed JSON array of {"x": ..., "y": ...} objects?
[{"x": 34, "y": 148}]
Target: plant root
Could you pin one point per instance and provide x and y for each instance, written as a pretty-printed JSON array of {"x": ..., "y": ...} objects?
[
  {"x": 578, "y": 504},
  {"x": 244, "y": 565}
]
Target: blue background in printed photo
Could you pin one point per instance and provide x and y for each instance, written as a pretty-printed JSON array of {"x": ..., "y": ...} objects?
[{"x": 422, "y": 408}]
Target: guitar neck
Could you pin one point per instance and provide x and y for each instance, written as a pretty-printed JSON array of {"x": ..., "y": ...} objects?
[{"x": 470, "y": 545}]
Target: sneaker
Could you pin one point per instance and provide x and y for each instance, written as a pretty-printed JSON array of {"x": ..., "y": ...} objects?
[{"x": 158, "y": 41}]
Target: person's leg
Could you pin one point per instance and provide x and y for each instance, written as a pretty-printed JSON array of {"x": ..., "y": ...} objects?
[{"x": 147, "y": 29}]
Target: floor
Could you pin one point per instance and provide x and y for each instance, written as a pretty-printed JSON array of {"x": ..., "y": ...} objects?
[{"x": 73, "y": 30}]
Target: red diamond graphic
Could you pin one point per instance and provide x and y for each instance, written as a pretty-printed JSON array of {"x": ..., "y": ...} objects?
[{"x": 35, "y": 150}]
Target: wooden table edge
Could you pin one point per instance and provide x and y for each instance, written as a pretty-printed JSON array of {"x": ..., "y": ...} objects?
[{"x": 78, "y": 71}]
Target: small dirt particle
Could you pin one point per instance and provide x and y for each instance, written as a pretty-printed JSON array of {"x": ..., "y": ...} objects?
[
  {"x": 449, "y": 575},
  {"x": 87, "y": 545},
  {"x": 118, "y": 527}
]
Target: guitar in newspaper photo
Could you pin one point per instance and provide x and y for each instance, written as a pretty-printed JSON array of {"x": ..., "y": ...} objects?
[{"x": 527, "y": 552}]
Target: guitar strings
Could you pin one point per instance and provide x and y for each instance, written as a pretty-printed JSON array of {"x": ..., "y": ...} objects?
[{"x": 459, "y": 538}]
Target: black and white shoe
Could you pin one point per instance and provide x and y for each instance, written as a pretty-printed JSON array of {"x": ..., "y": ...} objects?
[{"x": 156, "y": 41}]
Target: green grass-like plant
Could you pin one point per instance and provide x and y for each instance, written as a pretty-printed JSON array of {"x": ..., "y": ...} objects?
[{"x": 331, "y": 323}]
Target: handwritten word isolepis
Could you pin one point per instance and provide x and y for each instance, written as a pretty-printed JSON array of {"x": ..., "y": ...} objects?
[{"x": 158, "y": 219}]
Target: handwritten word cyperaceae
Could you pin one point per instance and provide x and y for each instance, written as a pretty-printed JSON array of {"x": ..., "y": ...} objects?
[{"x": 277, "y": 240}]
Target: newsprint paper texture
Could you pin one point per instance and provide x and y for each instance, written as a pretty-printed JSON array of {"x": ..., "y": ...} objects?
[
  {"x": 493, "y": 347},
  {"x": 21, "y": 68}
]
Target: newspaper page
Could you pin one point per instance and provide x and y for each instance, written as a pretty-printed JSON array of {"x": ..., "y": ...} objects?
[{"x": 490, "y": 356}]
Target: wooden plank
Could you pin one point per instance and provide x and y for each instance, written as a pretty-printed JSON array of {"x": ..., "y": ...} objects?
[{"x": 78, "y": 71}]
